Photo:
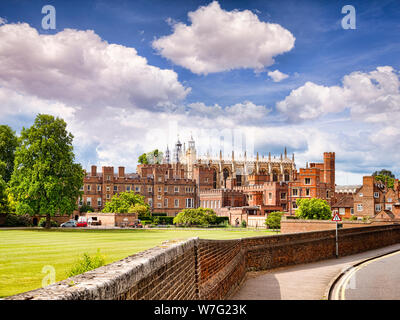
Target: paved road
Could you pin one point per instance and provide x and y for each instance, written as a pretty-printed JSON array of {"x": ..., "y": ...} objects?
[
  {"x": 301, "y": 282},
  {"x": 377, "y": 279}
]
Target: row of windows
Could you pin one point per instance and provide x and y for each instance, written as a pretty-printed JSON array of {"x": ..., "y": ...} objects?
[
  {"x": 189, "y": 203},
  {"x": 378, "y": 207},
  {"x": 213, "y": 204},
  {"x": 138, "y": 188}
]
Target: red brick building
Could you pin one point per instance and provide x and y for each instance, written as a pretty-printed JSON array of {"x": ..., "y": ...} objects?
[
  {"x": 164, "y": 187},
  {"x": 375, "y": 200},
  {"x": 315, "y": 181}
]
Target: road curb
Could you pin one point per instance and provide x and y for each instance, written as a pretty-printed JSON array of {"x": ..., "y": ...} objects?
[{"x": 332, "y": 284}]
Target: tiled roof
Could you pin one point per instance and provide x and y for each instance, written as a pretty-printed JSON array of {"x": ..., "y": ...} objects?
[{"x": 344, "y": 202}]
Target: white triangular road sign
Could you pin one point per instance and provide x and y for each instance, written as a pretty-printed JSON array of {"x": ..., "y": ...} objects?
[{"x": 336, "y": 217}]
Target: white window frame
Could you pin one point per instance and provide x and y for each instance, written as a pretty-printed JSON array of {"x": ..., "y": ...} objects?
[
  {"x": 189, "y": 202},
  {"x": 378, "y": 207},
  {"x": 376, "y": 195},
  {"x": 359, "y": 207}
]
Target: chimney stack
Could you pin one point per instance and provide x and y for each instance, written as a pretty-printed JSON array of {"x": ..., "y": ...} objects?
[
  {"x": 121, "y": 172},
  {"x": 94, "y": 171}
]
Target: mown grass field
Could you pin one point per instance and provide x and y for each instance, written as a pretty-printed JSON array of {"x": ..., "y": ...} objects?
[{"x": 24, "y": 253}]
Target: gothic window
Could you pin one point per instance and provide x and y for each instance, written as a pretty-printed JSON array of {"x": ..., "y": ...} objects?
[{"x": 286, "y": 176}]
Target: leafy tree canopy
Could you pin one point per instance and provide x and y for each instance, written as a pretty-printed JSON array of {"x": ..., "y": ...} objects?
[
  {"x": 143, "y": 159},
  {"x": 199, "y": 216},
  {"x": 45, "y": 179},
  {"x": 127, "y": 202},
  {"x": 313, "y": 208},
  {"x": 384, "y": 172},
  {"x": 8, "y": 144},
  {"x": 153, "y": 157},
  {"x": 385, "y": 176}
]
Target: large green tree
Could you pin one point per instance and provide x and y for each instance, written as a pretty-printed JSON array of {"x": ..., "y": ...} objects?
[
  {"x": 8, "y": 144},
  {"x": 385, "y": 176},
  {"x": 313, "y": 208},
  {"x": 127, "y": 202},
  {"x": 46, "y": 180}
]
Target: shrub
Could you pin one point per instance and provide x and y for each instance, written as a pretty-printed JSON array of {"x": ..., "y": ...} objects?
[
  {"x": 273, "y": 220},
  {"x": 42, "y": 223},
  {"x": 87, "y": 263},
  {"x": 222, "y": 220},
  {"x": 156, "y": 220},
  {"x": 199, "y": 216},
  {"x": 13, "y": 220},
  {"x": 353, "y": 218},
  {"x": 159, "y": 214},
  {"x": 145, "y": 222},
  {"x": 244, "y": 224},
  {"x": 166, "y": 220}
]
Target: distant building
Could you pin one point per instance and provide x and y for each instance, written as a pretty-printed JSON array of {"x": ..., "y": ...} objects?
[
  {"x": 163, "y": 186},
  {"x": 376, "y": 201}
]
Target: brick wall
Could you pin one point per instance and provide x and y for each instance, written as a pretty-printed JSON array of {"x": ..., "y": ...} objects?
[
  {"x": 210, "y": 269},
  {"x": 294, "y": 226}
]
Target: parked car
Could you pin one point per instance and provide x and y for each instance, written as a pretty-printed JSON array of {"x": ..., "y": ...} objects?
[
  {"x": 69, "y": 224},
  {"x": 81, "y": 224},
  {"x": 135, "y": 224}
]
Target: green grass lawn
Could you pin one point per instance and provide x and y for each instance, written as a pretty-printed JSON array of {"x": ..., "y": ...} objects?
[{"x": 23, "y": 253}]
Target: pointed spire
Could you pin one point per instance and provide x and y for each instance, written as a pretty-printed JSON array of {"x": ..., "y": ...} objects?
[
  {"x": 257, "y": 155},
  {"x": 281, "y": 156},
  {"x": 285, "y": 153},
  {"x": 293, "y": 157},
  {"x": 307, "y": 165},
  {"x": 220, "y": 154},
  {"x": 269, "y": 156},
  {"x": 233, "y": 155}
]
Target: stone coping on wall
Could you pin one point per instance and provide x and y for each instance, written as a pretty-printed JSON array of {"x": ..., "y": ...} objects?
[
  {"x": 112, "y": 280},
  {"x": 322, "y": 221}
]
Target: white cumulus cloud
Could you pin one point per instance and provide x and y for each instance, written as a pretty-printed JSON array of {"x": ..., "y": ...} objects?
[
  {"x": 219, "y": 40},
  {"x": 78, "y": 67},
  {"x": 277, "y": 76},
  {"x": 370, "y": 96}
]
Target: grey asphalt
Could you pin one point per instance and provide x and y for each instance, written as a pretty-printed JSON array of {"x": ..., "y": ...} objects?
[
  {"x": 377, "y": 279},
  {"x": 310, "y": 281}
]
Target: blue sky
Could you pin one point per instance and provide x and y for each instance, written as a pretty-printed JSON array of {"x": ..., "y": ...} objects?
[{"x": 310, "y": 111}]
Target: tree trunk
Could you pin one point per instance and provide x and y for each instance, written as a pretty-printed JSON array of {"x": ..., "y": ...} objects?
[{"x": 48, "y": 223}]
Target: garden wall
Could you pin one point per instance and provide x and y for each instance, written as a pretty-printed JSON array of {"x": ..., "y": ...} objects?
[
  {"x": 210, "y": 269},
  {"x": 296, "y": 225}
]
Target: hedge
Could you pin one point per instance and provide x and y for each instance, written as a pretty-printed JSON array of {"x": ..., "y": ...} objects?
[{"x": 222, "y": 220}]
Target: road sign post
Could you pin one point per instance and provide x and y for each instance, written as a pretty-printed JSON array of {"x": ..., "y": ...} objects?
[{"x": 337, "y": 218}]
